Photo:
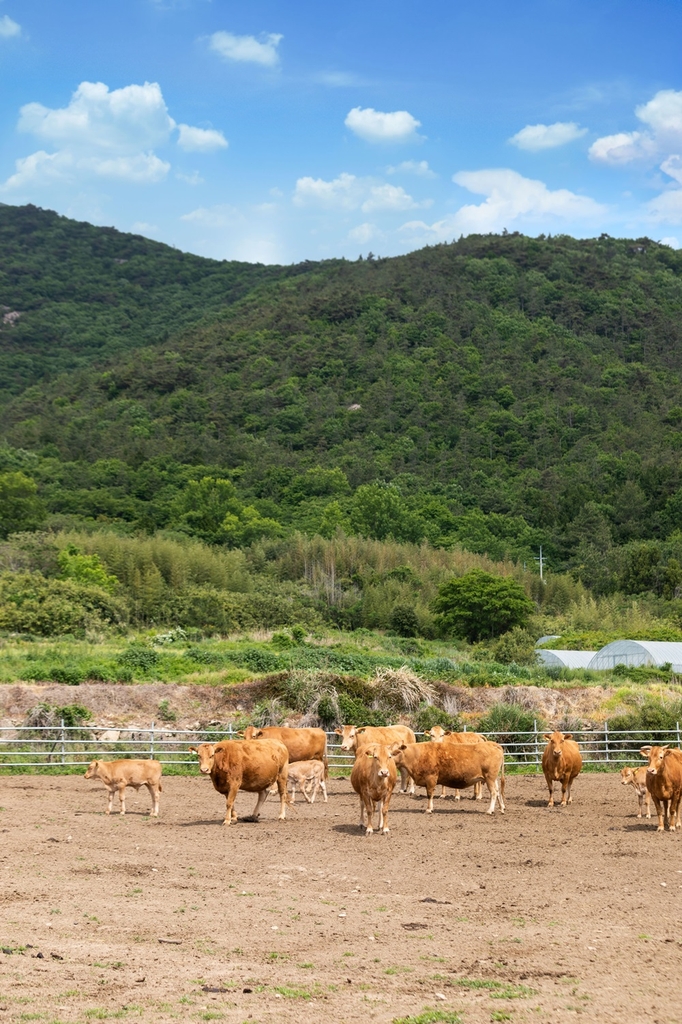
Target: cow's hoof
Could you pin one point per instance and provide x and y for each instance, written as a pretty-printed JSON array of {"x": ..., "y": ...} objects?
[
  {"x": 386, "y": 831},
  {"x": 660, "y": 829},
  {"x": 369, "y": 832}
]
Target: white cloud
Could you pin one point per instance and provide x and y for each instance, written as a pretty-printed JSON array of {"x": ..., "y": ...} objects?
[
  {"x": 220, "y": 216},
  {"x": 535, "y": 137},
  {"x": 376, "y": 126},
  {"x": 339, "y": 79},
  {"x": 364, "y": 233},
  {"x": 418, "y": 167},
  {"x": 190, "y": 179},
  {"x": 247, "y": 49},
  {"x": 509, "y": 198},
  {"x": 673, "y": 167},
  {"x": 104, "y": 133},
  {"x": 348, "y": 192},
  {"x": 200, "y": 140},
  {"x": 9, "y": 28},
  {"x": 672, "y": 242},
  {"x": 141, "y": 227},
  {"x": 662, "y": 134}
]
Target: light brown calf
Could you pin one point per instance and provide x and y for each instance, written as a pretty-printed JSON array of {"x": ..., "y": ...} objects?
[
  {"x": 309, "y": 777},
  {"x": 455, "y": 765},
  {"x": 636, "y": 777},
  {"x": 561, "y": 762},
  {"x": 664, "y": 782},
  {"x": 373, "y": 778},
  {"x": 116, "y": 775},
  {"x": 354, "y": 737},
  {"x": 251, "y": 765}
]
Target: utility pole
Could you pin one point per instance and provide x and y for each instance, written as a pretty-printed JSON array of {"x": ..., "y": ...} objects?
[{"x": 541, "y": 562}]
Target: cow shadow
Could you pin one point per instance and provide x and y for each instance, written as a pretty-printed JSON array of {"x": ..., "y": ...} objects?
[
  {"x": 348, "y": 830},
  {"x": 538, "y": 803}
]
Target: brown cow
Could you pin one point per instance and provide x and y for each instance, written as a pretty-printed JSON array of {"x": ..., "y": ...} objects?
[
  {"x": 440, "y": 735},
  {"x": 636, "y": 777},
  {"x": 353, "y": 737},
  {"x": 455, "y": 765},
  {"x": 561, "y": 762},
  {"x": 373, "y": 778},
  {"x": 664, "y": 782},
  {"x": 116, "y": 775},
  {"x": 251, "y": 765},
  {"x": 302, "y": 744}
]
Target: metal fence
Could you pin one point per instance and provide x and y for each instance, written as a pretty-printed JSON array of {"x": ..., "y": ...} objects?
[{"x": 66, "y": 748}]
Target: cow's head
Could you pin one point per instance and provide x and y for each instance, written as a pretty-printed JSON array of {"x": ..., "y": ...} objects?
[
  {"x": 205, "y": 752},
  {"x": 381, "y": 756},
  {"x": 627, "y": 776},
  {"x": 656, "y": 757},
  {"x": 396, "y": 750},
  {"x": 556, "y": 742},
  {"x": 249, "y": 732},
  {"x": 92, "y": 770},
  {"x": 349, "y": 736},
  {"x": 437, "y": 733}
]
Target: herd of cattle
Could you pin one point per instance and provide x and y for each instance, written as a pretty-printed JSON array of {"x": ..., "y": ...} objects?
[{"x": 268, "y": 760}]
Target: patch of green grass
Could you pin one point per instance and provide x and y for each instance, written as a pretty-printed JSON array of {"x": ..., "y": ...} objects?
[
  {"x": 296, "y": 991},
  {"x": 429, "y": 1016},
  {"x": 398, "y": 970},
  {"x": 497, "y": 989},
  {"x": 500, "y": 1015}
]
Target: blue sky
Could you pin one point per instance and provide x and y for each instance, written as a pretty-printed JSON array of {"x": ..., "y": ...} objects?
[{"x": 282, "y": 130}]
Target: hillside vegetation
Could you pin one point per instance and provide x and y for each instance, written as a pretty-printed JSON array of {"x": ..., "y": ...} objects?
[{"x": 222, "y": 447}]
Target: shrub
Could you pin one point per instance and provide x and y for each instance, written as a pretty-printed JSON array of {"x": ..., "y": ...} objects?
[
  {"x": 29, "y": 603},
  {"x": 404, "y": 621},
  {"x": 518, "y": 645},
  {"x": 651, "y": 720},
  {"x": 68, "y": 674},
  {"x": 429, "y": 715},
  {"x": 354, "y": 712},
  {"x": 139, "y": 655},
  {"x": 479, "y": 605}
]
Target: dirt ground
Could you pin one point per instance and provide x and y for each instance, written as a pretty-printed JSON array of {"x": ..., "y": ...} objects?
[{"x": 535, "y": 916}]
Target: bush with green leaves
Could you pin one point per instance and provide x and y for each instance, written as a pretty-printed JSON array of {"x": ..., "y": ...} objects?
[
  {"x": 30, "y": 603},
  {"x": 480, "y": 605},
  {"x": 518, "y": 646},
  {"x": 651, "y": 720},
  {"x": 139, "y": 656},
  {"x": 404, "y": 620},
  {"x": 429, "y": 715}
]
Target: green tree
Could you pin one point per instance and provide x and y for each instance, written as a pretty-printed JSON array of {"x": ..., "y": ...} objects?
[
  {"x": 479, "y": 605},
  {"x": 380, "y": 512},
  {"x": 20, "y": 506},
  {"x": 87, "y": 569}
]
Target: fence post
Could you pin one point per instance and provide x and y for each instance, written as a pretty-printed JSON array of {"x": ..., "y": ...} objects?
[
  {"x": 63, "y": 744},
  {"x": 151, "y": 741},
  {"x": 678, "y": 735},
  {"x": 606, "y": 739},
  {"x": 537, "y": 745}
]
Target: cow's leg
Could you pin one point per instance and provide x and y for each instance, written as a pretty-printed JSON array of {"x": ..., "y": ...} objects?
[
  {"x": 282, "y": 781},
  {"x": 640, "y": 799},
  {"x": 323, "y": 787},
  {"x": 383, "y": 821},
  {"x": 491, "y": 783},
  {"x": 154, "y": 794},
  {"x": 500, "y": 793},
  {"x": 674, "y": 808},
  {"x": 293, "y": 790},
  {"x": 122, "y": 796},
  {"x": 569, "y": 788},
  {"x": 550, "y": 787},
  {"x": 110, "y": 801},
  {"x": 660, "y": 811},
  {"x": 478, "y": 791},
  {"x": 442, "y": 792},
  {"x": 648, "y": 804},
  {"x": 404, "y": 777},
  {"x": 369, "y": 810},
  {"x": 262, "y": 797},
  {"x": 230, "y": 797},
  {"x": 431, "y": 784},
  {"x": 362, "y": 813}
]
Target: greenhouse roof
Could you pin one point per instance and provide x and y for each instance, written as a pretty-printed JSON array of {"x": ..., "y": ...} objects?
[
  {"x": 639, "y": 652},
  {"x": 566, "y": 659}
]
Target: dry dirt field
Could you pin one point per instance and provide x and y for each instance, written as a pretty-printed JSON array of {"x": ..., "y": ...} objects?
[{"x": 539, "y": 915}]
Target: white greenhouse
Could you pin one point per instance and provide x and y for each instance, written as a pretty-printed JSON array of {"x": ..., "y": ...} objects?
[
  {"x": 566, "y": 659},
  {"x": 639, "y": 652}
]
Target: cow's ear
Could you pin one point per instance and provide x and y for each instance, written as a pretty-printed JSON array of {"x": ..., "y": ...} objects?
[
  {"x": 645, "y": 751},
  {"x": 403, "y": 746},
  {"x": 192, "y": 750},
  {"x": 390, "y": 754},
  {"x": 447, "y": 732},
  {"x": 568, "y": 735},
  {"x": 338, "y": 732},
  {"x": 547, "y": 736},
  {"x": 369, "y": 753}
]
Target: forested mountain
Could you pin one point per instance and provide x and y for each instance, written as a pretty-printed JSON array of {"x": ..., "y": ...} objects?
[{"x": 499, "y": 392}]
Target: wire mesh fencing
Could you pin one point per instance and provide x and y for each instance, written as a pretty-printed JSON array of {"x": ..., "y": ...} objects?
[{"x": 65, "y": 748}]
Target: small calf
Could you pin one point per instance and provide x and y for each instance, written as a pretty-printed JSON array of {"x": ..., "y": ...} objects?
[
  {"x": 309, "y": 777},
  {"x": 116, "y": 775},
  {"x": 636, "y": 777}
]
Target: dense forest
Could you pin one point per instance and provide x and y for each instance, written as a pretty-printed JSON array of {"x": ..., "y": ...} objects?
[{"x": 495, "y": 394}]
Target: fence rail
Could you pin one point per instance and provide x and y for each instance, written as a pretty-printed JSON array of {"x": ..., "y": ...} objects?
[{"x": 68, "y": 747}]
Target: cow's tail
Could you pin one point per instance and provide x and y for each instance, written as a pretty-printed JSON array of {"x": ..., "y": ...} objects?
[
  {"x": 325, "y": 762},
  {"x": 160, "y": 788}
]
